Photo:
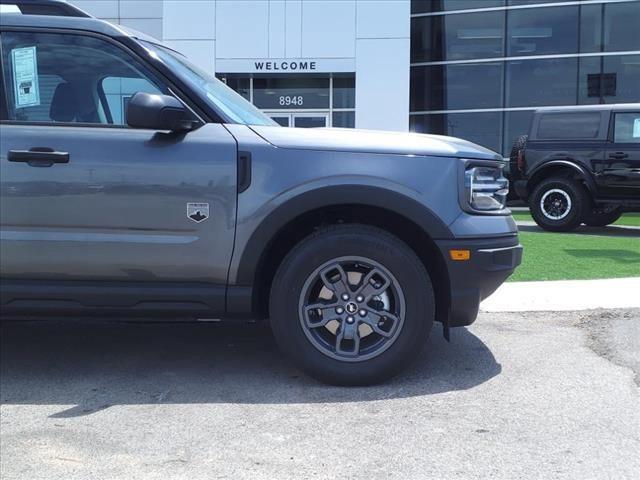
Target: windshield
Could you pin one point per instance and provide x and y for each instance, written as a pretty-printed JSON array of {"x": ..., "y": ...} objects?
[{"x": 221, "y": 97}]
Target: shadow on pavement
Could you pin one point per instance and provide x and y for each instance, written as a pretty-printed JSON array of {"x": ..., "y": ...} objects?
[
  {"x": 610, "y": 231},
  {"x": 87, "y": 367}
]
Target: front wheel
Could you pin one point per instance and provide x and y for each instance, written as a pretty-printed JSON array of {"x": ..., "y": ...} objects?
[
  {"x": 558, "y": 204},
  {"x": 351, "y": 305}
]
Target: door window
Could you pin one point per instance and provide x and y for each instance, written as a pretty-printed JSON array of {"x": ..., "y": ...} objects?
[
  {"x": 627, "y": 128},
  {"x": 66, "y": 78}
]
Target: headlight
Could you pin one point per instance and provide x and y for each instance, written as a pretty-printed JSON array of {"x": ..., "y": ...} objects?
[{"x": 486, "y": 188}]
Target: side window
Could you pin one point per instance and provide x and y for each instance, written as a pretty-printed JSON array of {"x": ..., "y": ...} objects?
[
  {"x": 68, "y": 78},
  {"x": 627, "y": 128},
  {"x": 569, "y": 125}
]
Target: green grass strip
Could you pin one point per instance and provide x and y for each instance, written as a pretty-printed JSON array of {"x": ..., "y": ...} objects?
[{"x": 559, "y": 256}]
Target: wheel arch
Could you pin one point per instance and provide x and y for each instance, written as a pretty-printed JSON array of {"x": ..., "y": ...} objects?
[
  {"x": 568, "y": 168},
  {"x": 292, "y": 221}
]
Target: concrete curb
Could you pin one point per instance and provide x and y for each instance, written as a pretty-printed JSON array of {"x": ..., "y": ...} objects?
[{"x": 564, "y": 295}]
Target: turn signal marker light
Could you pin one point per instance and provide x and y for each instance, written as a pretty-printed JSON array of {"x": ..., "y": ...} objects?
[{"x": 460, "y": 255}]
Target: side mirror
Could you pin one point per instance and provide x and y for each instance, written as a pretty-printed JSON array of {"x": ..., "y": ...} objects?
[{"x": 158, "y": 112}]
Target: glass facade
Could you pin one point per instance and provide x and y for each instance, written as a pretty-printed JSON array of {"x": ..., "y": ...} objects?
[
  {"x": 303, "y": 100},
  {"x": 480, "y": 67}
]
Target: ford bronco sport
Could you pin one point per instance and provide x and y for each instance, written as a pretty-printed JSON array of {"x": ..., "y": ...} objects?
[
  {"x": 135, "y": 184},
  {"x": 579, "y": 165}
]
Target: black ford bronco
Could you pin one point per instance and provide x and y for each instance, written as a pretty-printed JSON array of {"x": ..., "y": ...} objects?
[{"x": 579, "y": 165}]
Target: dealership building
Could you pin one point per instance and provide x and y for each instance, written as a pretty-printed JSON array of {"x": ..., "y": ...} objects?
[{"x": 475, "y": 69}]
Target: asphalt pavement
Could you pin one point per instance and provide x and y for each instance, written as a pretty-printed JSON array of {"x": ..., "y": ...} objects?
[{"x": 549, "y": 395}]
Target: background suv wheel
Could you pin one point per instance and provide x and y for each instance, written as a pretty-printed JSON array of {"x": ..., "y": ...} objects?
[
  {"x": 558, "y": 204},
  {"x": 601, "y": 218},
  {"x": 352, "y": 305}
]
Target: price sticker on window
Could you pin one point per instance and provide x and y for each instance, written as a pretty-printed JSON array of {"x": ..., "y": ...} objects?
[
  {"x": 25, "y": 77},
  {"x": 636, "y": 128}
]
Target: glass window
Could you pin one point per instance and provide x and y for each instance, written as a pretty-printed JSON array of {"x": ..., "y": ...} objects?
[
  {"x": 344, "y": 119},
  {"x": 590, "y": 81},
  {"x": 240, "y": 83},
  {"x": 70, "y": 78},
  {"x": 591, "y": 28},
  {"x": 457, "y": 36},
  {"x": 540, "y": 31},
  {"x": 216, "y": 93},
  {"x": 118, "y": 91},
  {"x": 627, "y": 128},
  {"x": 515, "y": 124},
  {"x": 621, "y": 21},
  {"x": 541, "y": 82},
  {"x": 482, "y": 128},
  {"x": 448, "y": 87},
  {"x": 427, "y": 6},
  {"x": 621, "y": 79},
  {"x": 291, "y": 92},
  {"x": 532, "y": 2},
  {"x": 569, "y": 125},
  {"x": 344, "y": 91}
]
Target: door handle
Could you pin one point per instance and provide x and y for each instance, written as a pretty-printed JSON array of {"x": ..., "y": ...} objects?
[
  {"x": 38, "y": 156},
  {"x": 619, "y": 155}
]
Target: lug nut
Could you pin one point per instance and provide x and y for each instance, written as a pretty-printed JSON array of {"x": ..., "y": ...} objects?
[
  {"x": 363, "y": 313},
  {"x": 350, "y": 319},
  {"x": 360, "y": 298},
  {"x": 345, "y": 297},
  {"x": 339, "y": 310}
]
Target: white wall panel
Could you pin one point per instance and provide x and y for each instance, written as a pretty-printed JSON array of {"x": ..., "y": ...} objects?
[
  {"x": 99, "y": 8},
  {"x": 382, "y": 84},
  {"x": 189, "y": 20},
  {"x": 200, "y": 52},
  {"x": 277, "y": 28},
  {"x": 383, "y": 18},
  {"x": 140, "y": 8},
  {"x": 293, "y": 28},
  {"x": 150, "y": 26},
  {"x": 242, "y": 29},
  {"x": 328, "y": 28}
]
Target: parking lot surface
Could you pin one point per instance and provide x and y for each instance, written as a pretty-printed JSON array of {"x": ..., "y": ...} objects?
[{"x": 517, "y": 395}]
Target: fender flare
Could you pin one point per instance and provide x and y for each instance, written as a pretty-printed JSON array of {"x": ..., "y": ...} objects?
[
  {"x": 354, "y": 194},
  {"x": 588, "y": 178}
]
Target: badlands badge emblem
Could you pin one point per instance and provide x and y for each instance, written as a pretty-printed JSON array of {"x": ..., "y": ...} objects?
[{"x": 198, "y": 212}]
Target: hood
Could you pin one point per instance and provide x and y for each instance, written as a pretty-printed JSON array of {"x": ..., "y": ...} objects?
[{"x": 372, "y": 141}]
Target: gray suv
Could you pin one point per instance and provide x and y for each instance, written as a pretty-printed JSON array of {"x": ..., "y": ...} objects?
[{"x": 134, "y": 184}]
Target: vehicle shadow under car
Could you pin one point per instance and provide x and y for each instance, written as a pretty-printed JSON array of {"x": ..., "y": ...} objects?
[{"x": 95, "y": 365}]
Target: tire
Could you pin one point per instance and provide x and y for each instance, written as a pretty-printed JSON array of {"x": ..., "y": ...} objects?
[
  {"x": 390, "y": 336},
  {"x": 596, "y": 218},
  {"x": 558, "y": 204},
  {"x": 519, "y": 144}
]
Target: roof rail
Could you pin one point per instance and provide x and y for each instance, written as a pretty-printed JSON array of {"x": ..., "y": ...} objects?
[{"x": 57, "y": 8}]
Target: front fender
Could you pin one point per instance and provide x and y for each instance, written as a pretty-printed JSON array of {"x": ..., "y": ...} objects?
[{"x": 248, "y": 255}]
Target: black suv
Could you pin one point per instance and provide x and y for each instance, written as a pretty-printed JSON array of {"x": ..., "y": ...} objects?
[{"x": 579, "y": 165}]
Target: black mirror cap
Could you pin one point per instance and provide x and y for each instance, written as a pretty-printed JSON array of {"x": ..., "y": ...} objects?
[{"x": 158, "y": 112}]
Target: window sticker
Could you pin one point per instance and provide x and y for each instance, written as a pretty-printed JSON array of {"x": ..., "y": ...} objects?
[
  {"x": 25, "y": 77},
  {"x": 636, "y": 128}
]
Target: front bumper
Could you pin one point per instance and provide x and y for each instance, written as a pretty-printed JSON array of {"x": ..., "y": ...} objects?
[{"x": 491, "y": 262}]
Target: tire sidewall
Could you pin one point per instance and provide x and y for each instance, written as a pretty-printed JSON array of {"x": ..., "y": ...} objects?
[
  {"x": 574, "y": 191},
  {"x": 395, "y": 257}
]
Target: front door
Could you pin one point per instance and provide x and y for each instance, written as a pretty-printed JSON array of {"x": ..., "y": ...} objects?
[
  {"x": 621, "y": 175},
  {"x": 84, "y": 197}
]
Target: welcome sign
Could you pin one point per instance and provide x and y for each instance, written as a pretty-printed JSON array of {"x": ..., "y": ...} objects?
[{"x": 285, "y": 65}]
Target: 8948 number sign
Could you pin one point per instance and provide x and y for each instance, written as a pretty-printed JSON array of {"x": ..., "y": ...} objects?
[{"x": 286, "y": 100}]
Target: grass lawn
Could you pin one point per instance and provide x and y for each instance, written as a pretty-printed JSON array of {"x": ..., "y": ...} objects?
[
  {"x": 629, "y": 219},
  {"x": 561, "y": 256}
]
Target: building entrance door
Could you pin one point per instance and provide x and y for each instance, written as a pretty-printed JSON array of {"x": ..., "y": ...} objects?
[{"x": 301, "y": 119}]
